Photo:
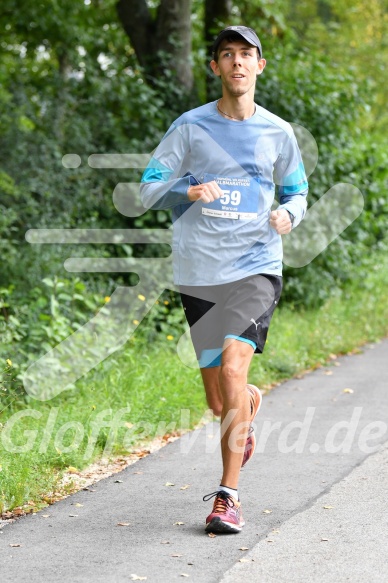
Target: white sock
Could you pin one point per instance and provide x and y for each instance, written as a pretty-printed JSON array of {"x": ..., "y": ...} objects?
[{"x": 230, "y": 491}]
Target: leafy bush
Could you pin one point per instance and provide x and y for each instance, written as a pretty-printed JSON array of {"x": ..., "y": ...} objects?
[
  {"x": 333, "y": 107},
  {"x": 77, "y": 88},
  {"x": 31, "y": 325}
]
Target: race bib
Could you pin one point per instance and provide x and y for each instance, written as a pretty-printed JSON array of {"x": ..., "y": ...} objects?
[{"x": 239, "y": 199}]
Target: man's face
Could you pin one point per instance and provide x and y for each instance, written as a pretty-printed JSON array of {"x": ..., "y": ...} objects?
[{"x": 238, "y": 66}]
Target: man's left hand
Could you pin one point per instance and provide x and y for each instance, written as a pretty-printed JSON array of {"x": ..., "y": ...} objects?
[{"x": 280, "y": 221}]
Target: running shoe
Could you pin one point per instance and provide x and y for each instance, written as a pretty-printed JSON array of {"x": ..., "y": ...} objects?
[
  {"x": 226, "y": 517},
  {"x": 250, "y": 444}
]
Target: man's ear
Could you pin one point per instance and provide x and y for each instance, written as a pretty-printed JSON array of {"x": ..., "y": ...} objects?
[
  {"x": 261, "y": 66},
  {"x": 215, "y": 68}
]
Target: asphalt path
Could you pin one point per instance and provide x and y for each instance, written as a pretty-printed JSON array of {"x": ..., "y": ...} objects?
[
  {"x": 314, "y": 498},
  {"x": 343, "y": 537}
]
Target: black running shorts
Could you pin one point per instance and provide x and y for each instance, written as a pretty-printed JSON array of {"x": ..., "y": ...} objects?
[{"x": 242, "y": 310}]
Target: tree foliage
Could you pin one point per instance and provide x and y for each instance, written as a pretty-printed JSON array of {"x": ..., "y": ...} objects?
[{"x": 91, "y": 77}]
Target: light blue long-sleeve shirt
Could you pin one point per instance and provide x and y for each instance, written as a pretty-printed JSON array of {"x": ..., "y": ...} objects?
[{"x": 230, "y": 238}]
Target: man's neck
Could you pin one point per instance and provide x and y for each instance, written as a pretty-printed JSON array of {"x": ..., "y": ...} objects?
[{"x": 236, "y": 108}]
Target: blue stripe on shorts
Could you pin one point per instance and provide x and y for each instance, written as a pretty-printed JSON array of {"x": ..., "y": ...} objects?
[{"x": 251, "y": 342}]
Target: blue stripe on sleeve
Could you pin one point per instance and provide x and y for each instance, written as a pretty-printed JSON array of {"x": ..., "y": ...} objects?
[
  {"x": 156, "y": 172},
  {"x": 295, "y": 182}
]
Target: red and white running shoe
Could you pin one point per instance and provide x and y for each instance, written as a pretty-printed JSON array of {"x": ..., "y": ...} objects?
[{"x": 226, "y": 517}]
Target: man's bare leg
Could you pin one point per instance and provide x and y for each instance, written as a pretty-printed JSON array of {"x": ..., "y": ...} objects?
[
  {"x": 236, "y": 358},
  {"x": 211, "y": 382},
  {"x": 225, "y": 388},
  {"x": 226, "y": 392}
]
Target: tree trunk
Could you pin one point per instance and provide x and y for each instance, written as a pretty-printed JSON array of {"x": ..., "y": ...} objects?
[
  {"x": 217, "y": 14},
  {"x": 174, "y": 37},
  {"x": 217, "y": 17},
  {"x": 162, "y": 44}
]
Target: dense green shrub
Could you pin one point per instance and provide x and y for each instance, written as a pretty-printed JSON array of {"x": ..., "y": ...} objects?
[{"x": 77, "y": 88}]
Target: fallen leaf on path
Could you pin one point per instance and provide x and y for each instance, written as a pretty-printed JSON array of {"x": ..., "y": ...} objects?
[
  {"x": 137, "y": 578},
  {"x": 169, "y": 484},
  {"x": 168, "y": 437},
  {"x": 243, "y": 549},
  {"x": 73, "y": 515},
  {"x": 328, "y": 373},
  {"x": 328, "y": 507},
  {"x": 267, "y": 511},
  {"x": 15, "y": 545},
  {"x": 176, "y": 555},
  {"x": 348, "y": 391},
  {"x": 119, "y": 481},
  {"x": 244, "y": 560},
  {"x": 323, "y": 539},
  {"x": 178, "y": 523},
  {"x": 184, "y": 575},
  {"x": 46, "y": 515},
  {"x": 142, "y": 453},
  {"x": 165, "y": 542},
  {"x": 138, "y": 472},
  {"x": 123, "y": 524},
  {"x": 270, "y": 540},
  {"x": 77, "y": 505},
  {"x": 185, "y": 487}
]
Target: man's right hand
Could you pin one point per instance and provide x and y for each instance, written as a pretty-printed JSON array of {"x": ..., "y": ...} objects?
[{"x": 206, "y": 192}]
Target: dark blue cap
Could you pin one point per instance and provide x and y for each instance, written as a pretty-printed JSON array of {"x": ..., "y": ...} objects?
[{"x": 248, "y": 34}]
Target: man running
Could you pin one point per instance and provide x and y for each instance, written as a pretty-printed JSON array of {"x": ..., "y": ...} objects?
[{"x": 216, "y": 168}]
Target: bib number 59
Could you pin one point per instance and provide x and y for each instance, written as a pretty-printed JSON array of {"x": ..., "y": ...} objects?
[{"x": 231, "y": 197}]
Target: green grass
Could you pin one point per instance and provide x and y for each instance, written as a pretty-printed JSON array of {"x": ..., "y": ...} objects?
[
  {"x": 149, "y": 386},
  {"x": 145, "y": 387},
  {"x": 300, "y": 340}
]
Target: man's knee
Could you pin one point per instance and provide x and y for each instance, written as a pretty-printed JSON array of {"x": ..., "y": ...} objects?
[{"x": 232, "y": 371}]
